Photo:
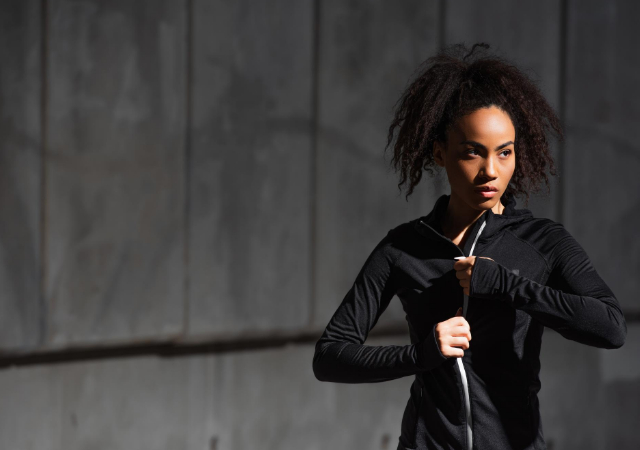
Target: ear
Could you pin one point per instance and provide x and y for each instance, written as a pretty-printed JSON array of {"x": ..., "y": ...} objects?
[{"x": 438, "y": 153}]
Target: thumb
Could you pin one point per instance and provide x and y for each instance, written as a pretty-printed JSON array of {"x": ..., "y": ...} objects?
[{"x": 459, "y": 312}]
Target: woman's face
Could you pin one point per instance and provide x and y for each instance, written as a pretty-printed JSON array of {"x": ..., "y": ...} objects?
[{"x": 480, "y": 153}]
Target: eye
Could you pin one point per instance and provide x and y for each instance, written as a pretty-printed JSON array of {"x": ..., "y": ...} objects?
[
  {"x": 472, "y": 150},
  {"x": 507, "y": 151}
]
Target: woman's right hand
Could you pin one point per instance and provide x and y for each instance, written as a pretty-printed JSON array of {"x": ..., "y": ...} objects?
[{"x": 453, "y": 335}]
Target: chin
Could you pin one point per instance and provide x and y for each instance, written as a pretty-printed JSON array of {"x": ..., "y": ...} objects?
[{"x": 488, "y": 203}]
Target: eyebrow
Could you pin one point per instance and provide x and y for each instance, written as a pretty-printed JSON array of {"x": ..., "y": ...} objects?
[{"x": 478, "y": 144}]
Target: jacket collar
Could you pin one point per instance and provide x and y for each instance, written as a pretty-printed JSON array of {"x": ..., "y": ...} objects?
[{"x": 429, "y": 225}]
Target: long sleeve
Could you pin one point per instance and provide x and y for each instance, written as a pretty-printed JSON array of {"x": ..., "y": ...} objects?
[
  {"x": 576, "y": 302},
  {"x": 340, "y": 355}
]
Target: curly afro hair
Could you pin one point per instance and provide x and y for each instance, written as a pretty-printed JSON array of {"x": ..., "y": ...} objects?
[{"x": 456, "y": 82}]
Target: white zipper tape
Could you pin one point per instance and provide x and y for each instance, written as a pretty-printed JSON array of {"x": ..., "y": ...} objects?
[{"x": 463, "y": 373}]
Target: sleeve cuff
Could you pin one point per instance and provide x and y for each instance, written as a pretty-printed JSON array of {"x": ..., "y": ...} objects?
[
  {"x": 486, "y": 279},
  {"x": 428, "y": 352}
]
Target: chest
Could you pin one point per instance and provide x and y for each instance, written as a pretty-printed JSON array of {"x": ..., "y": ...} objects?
[{"x": 430, "y": 292}]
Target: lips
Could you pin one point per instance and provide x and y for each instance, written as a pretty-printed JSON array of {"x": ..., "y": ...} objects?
[{"x": 487, "y": 189}]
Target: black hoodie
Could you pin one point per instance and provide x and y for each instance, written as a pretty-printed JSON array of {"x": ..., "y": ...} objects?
[{"x": 540, "y": 276}]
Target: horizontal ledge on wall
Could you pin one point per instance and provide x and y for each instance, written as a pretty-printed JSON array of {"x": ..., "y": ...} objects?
[{"x": 177, "y": 349}]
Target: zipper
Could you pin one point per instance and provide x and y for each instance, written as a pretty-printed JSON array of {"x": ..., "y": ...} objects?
[
  {"x": 463, "y": 373},
  {"x": 465, "y": 305}
]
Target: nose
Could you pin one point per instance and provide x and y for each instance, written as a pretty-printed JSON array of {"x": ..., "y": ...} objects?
[{"x": 488, "y": 168}]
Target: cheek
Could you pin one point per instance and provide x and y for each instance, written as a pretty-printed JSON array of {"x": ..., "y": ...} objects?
[
  {"x": 510, "y": 169},
  {"x": 466, "y": 170},
  {"x": 461, "y": 172}
]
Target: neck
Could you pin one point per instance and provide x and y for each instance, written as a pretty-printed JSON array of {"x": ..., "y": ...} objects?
[{"x": 459, "y": 216}]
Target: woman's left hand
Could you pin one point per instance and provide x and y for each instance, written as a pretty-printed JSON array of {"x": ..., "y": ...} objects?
[{"x": 464, "y": 269}]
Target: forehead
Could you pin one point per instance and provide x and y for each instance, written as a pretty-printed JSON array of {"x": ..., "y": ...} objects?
[{"x": 485, "y": 124}]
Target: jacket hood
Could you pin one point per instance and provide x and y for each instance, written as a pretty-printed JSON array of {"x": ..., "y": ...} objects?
[{"x": 495, "y": 223}]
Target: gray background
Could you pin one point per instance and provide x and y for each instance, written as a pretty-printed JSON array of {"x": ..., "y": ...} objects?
[{"x": 188, "y": 189}]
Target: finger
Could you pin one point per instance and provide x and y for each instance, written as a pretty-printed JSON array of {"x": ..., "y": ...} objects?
[
  {"x": 451, "y": 352},
  {"x": 462, "y": 259},
  {"x": 461, "y": 328},
  {"x": 465, "y": 282},
  {"x": 465, "y": 273},
  {"x": 461, "y": 331},
  {"x": 459, "y": 322},
  {"x": 461, "y": 264},
  {"x": 461, "y": 342}
]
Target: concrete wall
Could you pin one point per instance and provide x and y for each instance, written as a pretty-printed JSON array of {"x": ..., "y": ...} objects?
[{"x": 205, "y": 179}]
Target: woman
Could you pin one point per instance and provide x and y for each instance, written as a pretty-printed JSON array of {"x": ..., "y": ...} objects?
[{"x": 478, "y": 278}]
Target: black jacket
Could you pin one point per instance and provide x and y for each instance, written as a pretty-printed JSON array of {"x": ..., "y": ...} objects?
[{"x": 540, "y": 277}]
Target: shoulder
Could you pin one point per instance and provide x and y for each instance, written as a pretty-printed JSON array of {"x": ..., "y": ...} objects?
[
  {"x": 550, "y": 230},
  {"x": 526, "y": 221},
  {"x": 406, "y": 234},
  {"x": 545, "y": 226},
  {"x": 397, "y": 236},
  {"x": 386, "y": 250},
  {"x": 545, "y": 234},
  {"x": 396, "y": 241}
]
